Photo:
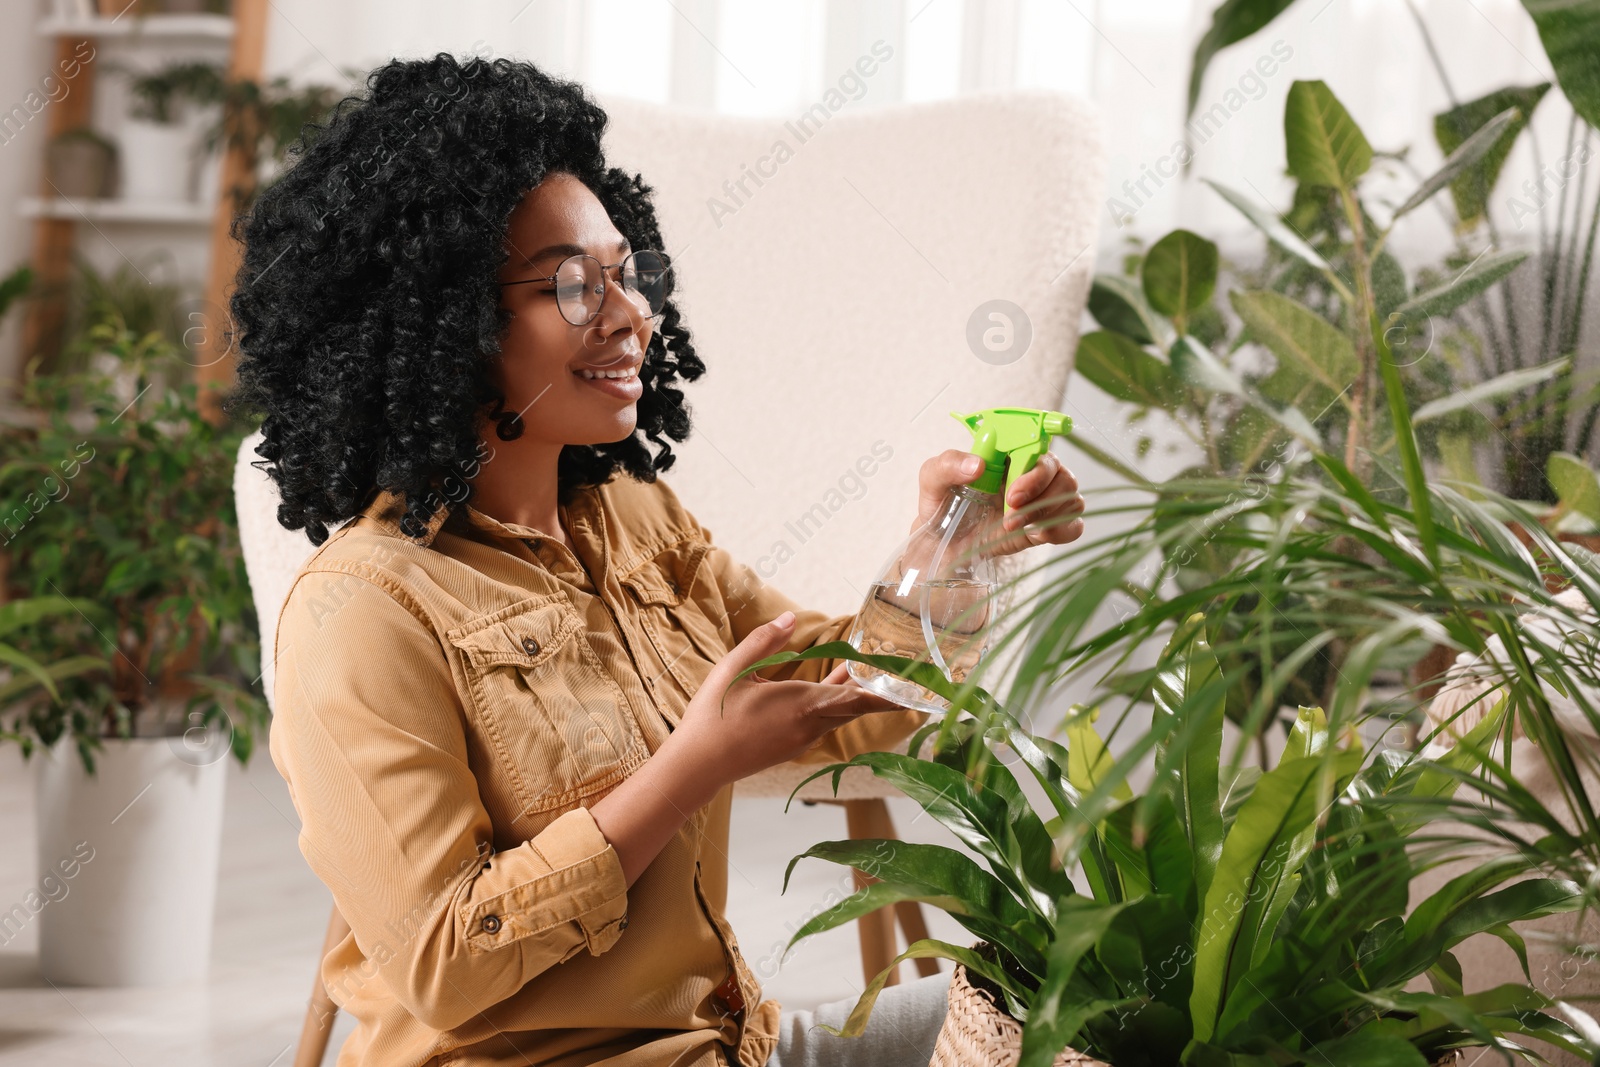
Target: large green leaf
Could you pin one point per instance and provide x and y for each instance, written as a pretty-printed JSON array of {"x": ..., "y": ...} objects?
[
  {"x": 931, "y": 868},
  {"x": 1306, "y": 344},
  {"x": 1180, "y": 273},
  {"x": 1264, "y": 845},
  {"x": 1479, "y": 275},
  {"x": 1054, "y": 1017},
  {"x": 1117, "y": 304},
  {"x": 1190, "y": 688},
  {"x": 16, "y": 614},
  {"x": 980, "y": 818},
  {"x": 1570, "y": 33},
  {"x": 1153, "y": 858},
  {"x": 1367, "y": 1047},
  {"x": 13, "y": 286},
  {"x": 1117, "y": 366},
  {"x": 926, "y": 948},
  {"x": 1274, "y": 227},
  {"x": 1192, "y": 362},
  {"x": 1467, "y": 154},
  {"x": 1575, "y": 484},
  {"x": 1472, "y": 187},
  {"x": 1026, "y": 942},
  {"x": 1464, "y": 906},
  {"x": 1501, "y": 385},
  {"x": 1322, "y": 141},
  {"x": 1231, "y": 22}
]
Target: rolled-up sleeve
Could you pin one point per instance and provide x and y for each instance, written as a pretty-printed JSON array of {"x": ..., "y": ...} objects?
[
  {"x": 751, "y": 603},
  {"x": 369, "y": 733}
]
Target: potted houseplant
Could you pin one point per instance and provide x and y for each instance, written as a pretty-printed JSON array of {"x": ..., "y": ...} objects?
[
  {"x": 157, "y": 140},
  {"x": 139, "y": 524},
  {"x": 1317, "y": 567},
  {"x": 81, "y": 164},
  {"x": 1246, "y": 918}
]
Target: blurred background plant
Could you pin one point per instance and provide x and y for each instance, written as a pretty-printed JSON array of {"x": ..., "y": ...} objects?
[
  {"x": 1523, "y": 322},
  {"x": 119, "y": 496},
  {"x": 263, "y": 119}
]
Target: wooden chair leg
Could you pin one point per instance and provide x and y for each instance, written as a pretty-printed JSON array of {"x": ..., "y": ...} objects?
[
  {"x": 321, "y": 1010},
  {"x": 915, "y": 928}
]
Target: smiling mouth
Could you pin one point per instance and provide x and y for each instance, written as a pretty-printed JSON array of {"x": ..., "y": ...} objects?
[{"x": 608, "y": 375}]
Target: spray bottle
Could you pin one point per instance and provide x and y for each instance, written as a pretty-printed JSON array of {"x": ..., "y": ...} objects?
[{"x": 931, "y": 601}]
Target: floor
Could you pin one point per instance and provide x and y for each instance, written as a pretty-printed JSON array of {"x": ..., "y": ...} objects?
[{"x": 271, "y": 914}]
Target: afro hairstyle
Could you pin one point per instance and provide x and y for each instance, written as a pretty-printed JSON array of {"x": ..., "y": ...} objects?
[{"x": 367, "y": 306}]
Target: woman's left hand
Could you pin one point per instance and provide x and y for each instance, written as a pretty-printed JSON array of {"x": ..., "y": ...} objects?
[{"x": 1045, "y": 500}]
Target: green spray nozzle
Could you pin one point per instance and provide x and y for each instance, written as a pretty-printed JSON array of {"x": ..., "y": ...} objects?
[{"x": 1010, "y": 441}]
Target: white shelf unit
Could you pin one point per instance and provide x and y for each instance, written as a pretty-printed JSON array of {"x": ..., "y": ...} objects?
[
  {"x": 164, "y": 27},
  {"x": 177, "y": 212}
]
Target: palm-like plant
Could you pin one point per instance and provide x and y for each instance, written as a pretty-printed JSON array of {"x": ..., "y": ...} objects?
[
  {"x": 1272, "y": 902},
  {"x": 1232, "y": 917}
]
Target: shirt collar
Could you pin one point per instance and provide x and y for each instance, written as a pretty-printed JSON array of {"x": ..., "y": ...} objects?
[{"x": 388, "y": 509}]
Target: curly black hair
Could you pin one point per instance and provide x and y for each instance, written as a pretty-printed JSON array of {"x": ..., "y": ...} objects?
[{"x": 367, "y": 310}]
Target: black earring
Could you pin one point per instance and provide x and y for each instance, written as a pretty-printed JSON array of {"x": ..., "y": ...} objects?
[{"x": 508, "y": 424}]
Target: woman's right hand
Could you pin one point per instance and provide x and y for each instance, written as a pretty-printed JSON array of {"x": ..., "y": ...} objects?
[{"x": 762, "y": 722}]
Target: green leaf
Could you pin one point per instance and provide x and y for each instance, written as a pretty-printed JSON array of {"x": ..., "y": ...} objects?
[
  {"x": 1106, "y": 459},
  {"x": 1231, "y": 22},
  {"x": 928, "y": 947},
  {"x": 1055, "y": 1018},
  {"x": 1466, "y": 154},
  {"x": 1472, "y": 188},
  {"x": 1194, "y": 364},
  {"x": 1568, "y": 29},
  {"x": 1118, "y": 305},
  {"x": 1024, "y": 942},
  {"x": 19, "y": 613},
  {"x": 1479, "y": 275},
  {"x": 981, "y": 818},
  {"x": 934, "y": 869},
  {"x": 1115, "y": 365},
  {"x": 1575, "y": 484},
  {"x": 1323, "y": 143},
  {"x": 1265, "y": 844},
  {"x": 1191, "y": 689},
  {"x": 1302, "y": 340},
  {"x": 13, "y": 286},
  {"x": 1367, "y": 1047},
  {"x": 1274, "y": 227},
  {"x": 1510, "y": 382},
  {"x": 1180, "y": 273}
]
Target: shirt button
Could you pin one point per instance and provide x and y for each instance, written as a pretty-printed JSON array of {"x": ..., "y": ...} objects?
[
  {"x": 623, "y": 925},
  {"x": 491, "y": 924},
  {"x": 530, "y": 646}
]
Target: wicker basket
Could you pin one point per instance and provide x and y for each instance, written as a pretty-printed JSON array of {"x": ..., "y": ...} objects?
[{"x": 976, "y": 1033}]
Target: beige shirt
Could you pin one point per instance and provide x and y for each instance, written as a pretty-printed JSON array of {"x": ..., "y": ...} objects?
[{"x": 448, "y": 707}]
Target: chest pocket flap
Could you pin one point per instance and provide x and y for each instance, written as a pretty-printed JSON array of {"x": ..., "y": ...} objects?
[
  {"x": 681, "y": 609},
  {"x": 668, "y": 576},
  {"x": 550, "y": 710}
]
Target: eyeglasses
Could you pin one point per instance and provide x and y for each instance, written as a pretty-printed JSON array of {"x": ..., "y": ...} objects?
[{"x": 580, "y": 282}]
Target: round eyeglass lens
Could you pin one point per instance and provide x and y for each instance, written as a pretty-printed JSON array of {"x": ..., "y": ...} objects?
[
  {"x": 579, "y": 288},
  {"x": 647, "y": 274}
]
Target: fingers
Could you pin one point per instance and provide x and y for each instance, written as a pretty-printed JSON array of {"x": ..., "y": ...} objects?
[
  {"x": 758, "y": 644},
  {"x": 939, "y": 473}
]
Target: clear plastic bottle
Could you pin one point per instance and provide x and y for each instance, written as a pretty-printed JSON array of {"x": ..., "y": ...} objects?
[{"x": 932, "y": 601}]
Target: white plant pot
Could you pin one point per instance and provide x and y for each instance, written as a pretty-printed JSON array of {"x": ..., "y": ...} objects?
[
  {"x": 157, "y": 161},
  {"x": 141, "y": 840}
]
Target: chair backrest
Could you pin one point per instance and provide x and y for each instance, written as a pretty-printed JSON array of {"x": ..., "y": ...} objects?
[{"x": 841, "y": 273}]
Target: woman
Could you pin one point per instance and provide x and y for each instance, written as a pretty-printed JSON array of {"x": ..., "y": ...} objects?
[{"x": 506, "y": 706}]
